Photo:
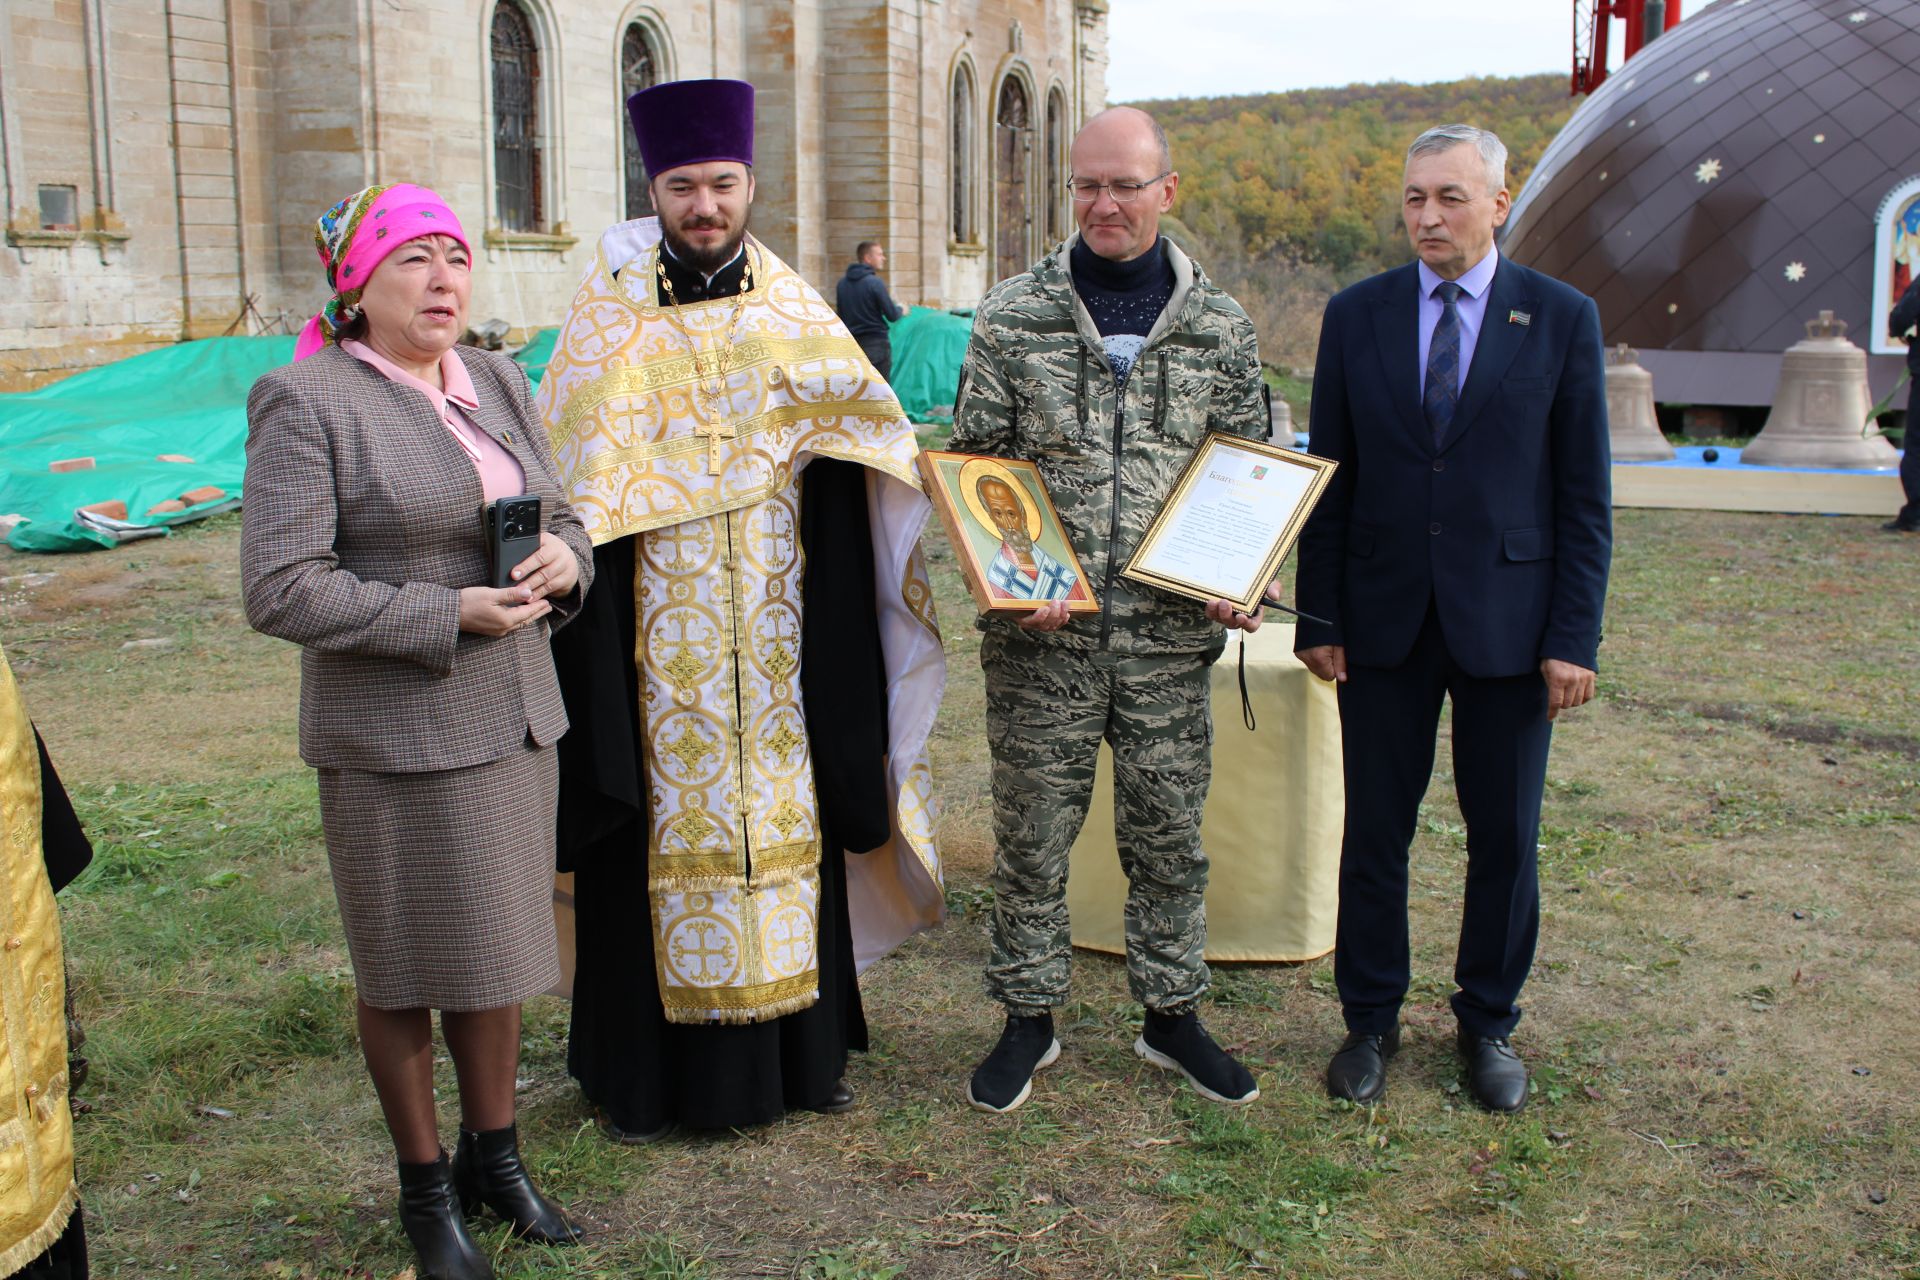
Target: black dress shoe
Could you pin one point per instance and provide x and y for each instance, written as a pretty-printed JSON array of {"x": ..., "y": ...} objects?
[
  {"x": 1901, "y": 526},
  {"x": 839, "y": 1101},
  {"x": 430, "y": 1215},
  {"x": 487, "y": 1170},
  {"x": 629, "y": 1137},
  {"x": 1358, "y": 1070},
  {"x": 1496, "y": 1077}
]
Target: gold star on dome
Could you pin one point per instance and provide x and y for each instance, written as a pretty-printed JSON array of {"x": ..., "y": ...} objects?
[
  {"x": 1708, "y": 170},
  {"x": 1796, "y": 272}
]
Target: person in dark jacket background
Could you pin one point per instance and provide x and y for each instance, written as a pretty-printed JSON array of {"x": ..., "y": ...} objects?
[
  {"x": 1906, "y": 315},
  {"x": 866, "y": 307}
]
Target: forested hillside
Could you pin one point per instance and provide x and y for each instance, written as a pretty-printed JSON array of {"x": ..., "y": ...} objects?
[{"x": 1286, "y": 197}]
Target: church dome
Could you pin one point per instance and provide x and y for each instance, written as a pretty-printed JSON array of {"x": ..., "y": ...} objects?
[{"x": 1755, "y": 165}]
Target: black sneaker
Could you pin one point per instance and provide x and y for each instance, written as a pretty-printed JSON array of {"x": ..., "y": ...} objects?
[
  {"x": 1179, "y": 1042},
  {"x": 1005, "y": 1079}
]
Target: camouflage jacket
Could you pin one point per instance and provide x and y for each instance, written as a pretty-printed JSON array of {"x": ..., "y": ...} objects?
[{"x": 1036, "y": 384}]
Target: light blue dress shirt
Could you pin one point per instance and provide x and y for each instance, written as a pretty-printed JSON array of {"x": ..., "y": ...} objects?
[{"x": 1472, "y": 307}]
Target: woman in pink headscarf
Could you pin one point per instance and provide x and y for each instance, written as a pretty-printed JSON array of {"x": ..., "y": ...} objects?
[{"x": 428, "y": 702}]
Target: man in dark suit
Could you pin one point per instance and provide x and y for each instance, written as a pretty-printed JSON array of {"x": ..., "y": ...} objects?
[{"x": 1460, "y": 552}]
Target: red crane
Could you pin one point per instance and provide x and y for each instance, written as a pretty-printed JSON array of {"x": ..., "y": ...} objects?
[{"x": 1592, "y": 23}]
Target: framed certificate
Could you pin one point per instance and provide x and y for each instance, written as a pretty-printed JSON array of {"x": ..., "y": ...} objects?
[
  {"x": 1005, "y": 532},
  {"x": 1233, "y": 516}
]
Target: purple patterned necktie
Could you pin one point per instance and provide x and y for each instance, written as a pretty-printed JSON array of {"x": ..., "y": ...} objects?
[{"x": 1442, "y": 393}]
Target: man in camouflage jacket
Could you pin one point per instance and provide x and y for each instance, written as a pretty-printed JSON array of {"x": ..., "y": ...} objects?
[{"x": 1106, "y": 364}]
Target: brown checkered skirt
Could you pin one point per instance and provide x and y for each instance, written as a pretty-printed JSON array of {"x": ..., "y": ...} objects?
[{"x": 445, "y": 880}]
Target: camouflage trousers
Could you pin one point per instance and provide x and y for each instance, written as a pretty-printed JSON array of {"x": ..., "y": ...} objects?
[{"x": 1048, "y": 709}]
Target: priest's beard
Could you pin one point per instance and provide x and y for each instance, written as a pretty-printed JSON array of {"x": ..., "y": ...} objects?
[{"x": 705, "y": 261}]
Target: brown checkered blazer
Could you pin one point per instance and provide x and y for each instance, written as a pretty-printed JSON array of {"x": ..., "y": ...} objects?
[{"x": 360, "y": 524}]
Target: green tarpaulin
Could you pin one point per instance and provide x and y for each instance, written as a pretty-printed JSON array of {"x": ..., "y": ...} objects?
[
  {"x": 928, "y": 346},
  {"x": 534, "y": 356},
  {"x": 187, "y": 401},
  {"x": 190, "y": 401}
]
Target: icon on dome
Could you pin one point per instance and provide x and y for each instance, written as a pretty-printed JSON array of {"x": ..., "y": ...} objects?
[{"x": 1896, "y": 260}]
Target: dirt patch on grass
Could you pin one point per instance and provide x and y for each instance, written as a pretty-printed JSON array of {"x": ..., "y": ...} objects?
[{"x": 1818, "y": 733}]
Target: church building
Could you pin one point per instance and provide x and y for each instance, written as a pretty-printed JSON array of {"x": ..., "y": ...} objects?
[{"x": 164, "y": 162}]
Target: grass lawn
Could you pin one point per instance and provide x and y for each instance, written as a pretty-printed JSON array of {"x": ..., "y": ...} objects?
[{"x": 1720, "y": 1020}]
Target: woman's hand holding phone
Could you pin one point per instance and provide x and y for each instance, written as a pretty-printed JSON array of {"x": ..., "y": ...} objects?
[{"x": 550, "y": 571}]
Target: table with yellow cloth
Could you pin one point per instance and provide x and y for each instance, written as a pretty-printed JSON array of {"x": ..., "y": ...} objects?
[{"x": 1272, "y": 826}]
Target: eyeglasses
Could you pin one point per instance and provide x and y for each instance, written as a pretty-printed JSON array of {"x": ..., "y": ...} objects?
[{"x": 1086, "y": 191}]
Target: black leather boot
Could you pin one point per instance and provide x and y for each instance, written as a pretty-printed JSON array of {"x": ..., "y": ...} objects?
[
  {"x": 487, "y": 1170},
  {"x": 430, "y": 1215}
]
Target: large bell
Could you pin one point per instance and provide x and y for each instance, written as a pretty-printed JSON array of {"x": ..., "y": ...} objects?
[
  {"x": 1820, "y": 408},
  {"x": 1632, "y": 427}
]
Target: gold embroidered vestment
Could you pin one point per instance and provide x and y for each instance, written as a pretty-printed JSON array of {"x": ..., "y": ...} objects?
[
  {"x": 37, "y": 1192},
  {"x": 702, "y": 469}
]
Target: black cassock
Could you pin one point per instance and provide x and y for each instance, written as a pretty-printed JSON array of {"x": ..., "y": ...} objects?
[{"x": 637, "y": 1067}]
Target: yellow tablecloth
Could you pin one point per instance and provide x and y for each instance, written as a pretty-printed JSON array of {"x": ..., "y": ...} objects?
[{"x": 1272, "y": 826}]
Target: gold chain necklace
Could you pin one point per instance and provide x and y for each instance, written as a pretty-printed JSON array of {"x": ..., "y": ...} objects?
[{"x": 713, "y": 385}]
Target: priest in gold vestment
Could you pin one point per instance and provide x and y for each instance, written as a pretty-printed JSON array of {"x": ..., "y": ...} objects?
[
  {"x": 744, "y": 800},
  {"x": 42, "y": 848}
]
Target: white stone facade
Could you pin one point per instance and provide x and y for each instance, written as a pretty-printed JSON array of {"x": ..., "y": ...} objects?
[{"x": 164, "y": 162}]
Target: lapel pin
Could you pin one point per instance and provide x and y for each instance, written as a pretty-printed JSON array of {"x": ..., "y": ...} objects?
[
  {"x": 507, "y": 436},
  {"x": 1519, "y": 317}
]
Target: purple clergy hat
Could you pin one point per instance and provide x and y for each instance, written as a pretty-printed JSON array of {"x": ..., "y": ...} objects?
[{"x": 687, "y": 122}]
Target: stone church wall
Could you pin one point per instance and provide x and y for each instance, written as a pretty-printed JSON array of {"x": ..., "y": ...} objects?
[{"x": 198, "y": 139}]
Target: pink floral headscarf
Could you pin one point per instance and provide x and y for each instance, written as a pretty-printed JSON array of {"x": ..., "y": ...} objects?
[{"x": 355, "y": 235}]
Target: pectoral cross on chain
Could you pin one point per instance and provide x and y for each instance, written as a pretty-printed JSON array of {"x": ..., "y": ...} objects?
[
  {"x": 716, "y": 391},
  {"x": 715, "y": 433}
]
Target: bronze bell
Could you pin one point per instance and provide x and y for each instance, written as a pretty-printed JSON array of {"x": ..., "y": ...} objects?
[
  {"x": 1820, "y": 408},
  {"x": 1632, "y": 427}
]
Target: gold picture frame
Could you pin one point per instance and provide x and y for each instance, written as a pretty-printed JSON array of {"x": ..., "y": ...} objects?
[
  {"x": 1232, "y": 518},
  {"x": 1006, "y": 534}
]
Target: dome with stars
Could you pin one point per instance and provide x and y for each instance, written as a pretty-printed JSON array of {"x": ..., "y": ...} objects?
[{"x": 1752, "y": 167}]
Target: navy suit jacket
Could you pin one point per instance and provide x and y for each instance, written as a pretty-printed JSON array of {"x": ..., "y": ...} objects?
[{"x": 1505, "y": 525}]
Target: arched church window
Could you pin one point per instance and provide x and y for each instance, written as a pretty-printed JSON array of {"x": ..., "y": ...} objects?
[
  {"x": 640, "y": 65},
  {"x": 516, "y": 123},
  {"x": 1013, "y": 158},
  {"x": 1056, "y": 168},
  {"x": 962, "y": 160}
]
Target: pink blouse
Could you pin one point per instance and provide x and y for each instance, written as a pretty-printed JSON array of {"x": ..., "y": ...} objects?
[{"x": 500, "y": 472}]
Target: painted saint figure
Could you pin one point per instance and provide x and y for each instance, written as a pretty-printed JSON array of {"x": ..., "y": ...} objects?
[{"x": 1022, "y": 568}]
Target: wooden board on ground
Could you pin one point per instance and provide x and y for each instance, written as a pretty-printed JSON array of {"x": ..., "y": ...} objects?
[{"x": 1741, "y": 488}]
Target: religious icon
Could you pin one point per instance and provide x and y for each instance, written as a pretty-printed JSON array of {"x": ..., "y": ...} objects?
[
  {"x": 1896, "y": 261},
  {"x": 1005, "y": 533}
]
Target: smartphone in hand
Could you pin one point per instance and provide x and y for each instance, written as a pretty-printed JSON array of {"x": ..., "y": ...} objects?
[{"x": 513, "y": 533}]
